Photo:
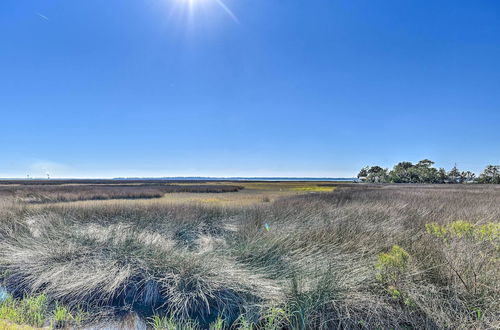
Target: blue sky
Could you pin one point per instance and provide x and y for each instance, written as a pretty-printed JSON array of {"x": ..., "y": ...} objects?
[{"x": 279, "y": 88}]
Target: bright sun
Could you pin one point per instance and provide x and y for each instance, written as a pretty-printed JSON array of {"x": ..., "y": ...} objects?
[{"x": 193, "y": 3}]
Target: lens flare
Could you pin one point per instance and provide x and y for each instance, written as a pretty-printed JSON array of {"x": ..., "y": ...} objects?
[
  {"x": 192, "y": 4},
  {"x": 227, "y": 10}
]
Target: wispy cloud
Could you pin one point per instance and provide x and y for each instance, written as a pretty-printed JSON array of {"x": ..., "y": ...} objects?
[{"x": 42, "y": 16}]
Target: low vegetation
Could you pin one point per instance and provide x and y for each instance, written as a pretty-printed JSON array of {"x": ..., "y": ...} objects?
[
  {"x": 359, "y": 257},
  {"x": 70, "y": 192},
  {"x": 30, "y": 310},
  {"x": 37, "y": 311}
]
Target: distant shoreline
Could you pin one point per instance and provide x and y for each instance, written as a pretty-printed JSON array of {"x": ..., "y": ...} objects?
[
  {"x": 168, "y": 179},
  {"x": 244, "y": 179}
]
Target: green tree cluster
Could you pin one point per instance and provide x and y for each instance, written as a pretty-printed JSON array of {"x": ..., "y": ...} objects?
[
  {"x": 373, "y": 174},
  {"x": 425, "y": 172},
  {"x": 491, "y": 174}
]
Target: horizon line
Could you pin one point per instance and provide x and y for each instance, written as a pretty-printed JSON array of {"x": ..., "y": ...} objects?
[{"x": 182, "y": 177}]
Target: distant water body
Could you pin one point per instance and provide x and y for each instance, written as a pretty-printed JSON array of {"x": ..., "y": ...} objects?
[
  {"x": 243, "y": 179},
  {"x": 188, "y": 178}
]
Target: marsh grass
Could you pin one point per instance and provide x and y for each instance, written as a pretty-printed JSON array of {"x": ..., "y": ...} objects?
[
  {"x": 31, "y": 310},
  {"x": 38, "y": 311},
  {"x": 314, "y": 189},
  {"x": 361, "y": 257},
  {"x": 6, "y": 325},
  {"x": 79, "y": 192}
]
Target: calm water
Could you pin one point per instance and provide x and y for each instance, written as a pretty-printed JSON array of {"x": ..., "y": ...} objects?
[
  {"x": 3, "y": 294},
  {"x": 131, "y": 321}
]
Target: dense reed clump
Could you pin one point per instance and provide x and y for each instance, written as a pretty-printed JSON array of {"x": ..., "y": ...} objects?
[{"x": 360, "y": 257}]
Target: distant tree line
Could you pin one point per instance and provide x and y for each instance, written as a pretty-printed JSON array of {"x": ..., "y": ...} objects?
[{"x": 424, "y": 172}]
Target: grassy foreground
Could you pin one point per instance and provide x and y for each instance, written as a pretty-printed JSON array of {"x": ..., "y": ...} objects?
[{"x": 360, "y": 257}]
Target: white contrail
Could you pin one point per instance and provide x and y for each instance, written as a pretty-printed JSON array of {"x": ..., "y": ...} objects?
[
  {"x": 43, "y": 16},
  {"x": 228, "y": 11}
]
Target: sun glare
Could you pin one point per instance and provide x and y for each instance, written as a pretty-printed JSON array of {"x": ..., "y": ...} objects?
[{"x": 192, "y": 4}]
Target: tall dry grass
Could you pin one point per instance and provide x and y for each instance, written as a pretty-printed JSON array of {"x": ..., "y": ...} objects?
[
  {"x": 53, "y": 193},
  {"x": 358, "y": 258}
]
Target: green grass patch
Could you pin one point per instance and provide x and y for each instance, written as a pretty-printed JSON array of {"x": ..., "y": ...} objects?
[
  {"x": 31, "y": 310},
  {"x": 34, "y": 311}
]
